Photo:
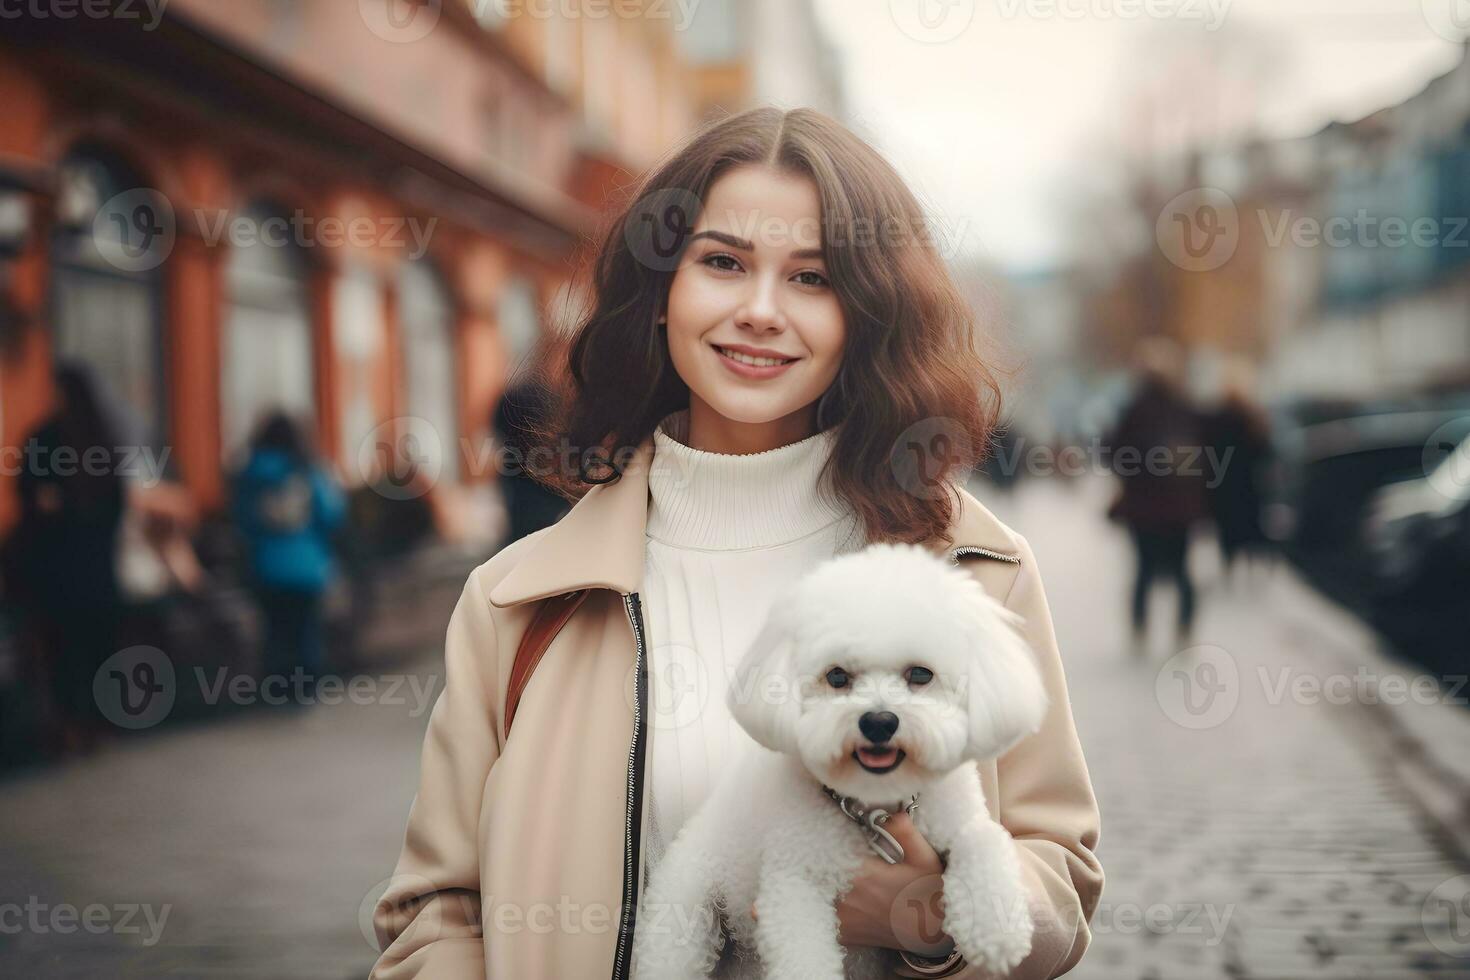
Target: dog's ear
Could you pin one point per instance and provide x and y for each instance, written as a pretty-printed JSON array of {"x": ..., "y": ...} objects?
[
  {"x": 764, "y": 695},
  {"x": 1006, "y": 698}
]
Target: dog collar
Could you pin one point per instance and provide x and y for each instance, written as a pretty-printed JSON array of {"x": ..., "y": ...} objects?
[{"x": 871, "y": 820}]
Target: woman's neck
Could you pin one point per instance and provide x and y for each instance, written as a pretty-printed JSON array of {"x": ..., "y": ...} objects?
[{"x": 712, "y": 432}]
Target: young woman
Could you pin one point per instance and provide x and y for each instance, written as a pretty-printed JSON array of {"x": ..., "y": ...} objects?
[{"x": 776, "y": 369}]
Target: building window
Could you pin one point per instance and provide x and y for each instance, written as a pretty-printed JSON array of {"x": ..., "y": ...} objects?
[
  {"x": 267, "y": 349},
  {"x": 107, "y": 253},
  {"x": 357, "y": 331},
  {"x": 426, "y": 319},
  {"x": 520, "y": 320},
  {"x": 490, "y": 13},
  {"x": 714, "y": 35},
  {"x": 600, "y": 75},
  {"x": 561, "y": 53}
]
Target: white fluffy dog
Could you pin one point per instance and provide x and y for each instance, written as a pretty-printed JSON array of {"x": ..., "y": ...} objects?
[{"x": 882, "y": 674}]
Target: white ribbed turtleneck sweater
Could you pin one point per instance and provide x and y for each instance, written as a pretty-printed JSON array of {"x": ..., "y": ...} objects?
[{"x": 726, "y": 534}]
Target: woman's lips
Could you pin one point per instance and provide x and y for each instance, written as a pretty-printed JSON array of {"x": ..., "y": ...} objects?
[
  {"x": 750, "y": 370},
  {"x": 876, "y": 759}
]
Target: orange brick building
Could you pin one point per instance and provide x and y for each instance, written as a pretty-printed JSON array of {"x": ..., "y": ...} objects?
[{"x": 357, "y": 210}]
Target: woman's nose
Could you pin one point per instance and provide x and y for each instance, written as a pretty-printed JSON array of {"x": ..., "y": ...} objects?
[{"x": 761, "y": 309}]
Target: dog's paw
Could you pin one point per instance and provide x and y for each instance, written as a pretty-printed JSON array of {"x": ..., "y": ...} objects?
[
  {"x": 992, "y": 928},
  {"x": 1002, "y": 952}
]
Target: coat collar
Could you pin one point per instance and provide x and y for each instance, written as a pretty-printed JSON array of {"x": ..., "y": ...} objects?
[{"x": 600, "y": 542}]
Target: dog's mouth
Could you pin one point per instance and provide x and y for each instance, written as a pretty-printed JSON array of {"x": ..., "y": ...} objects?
[{"x": 878, "y": 758}]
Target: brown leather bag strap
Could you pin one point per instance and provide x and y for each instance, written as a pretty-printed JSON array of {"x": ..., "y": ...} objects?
[{"x": 547, "y": 621}]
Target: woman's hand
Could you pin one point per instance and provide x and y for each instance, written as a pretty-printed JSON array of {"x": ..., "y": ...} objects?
[{"x": 898, "y": 906}]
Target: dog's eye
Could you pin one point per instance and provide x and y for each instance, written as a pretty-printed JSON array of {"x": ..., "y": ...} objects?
[
  {"x": 919, "y": 675},
  {"x": 837, "y": 677}
]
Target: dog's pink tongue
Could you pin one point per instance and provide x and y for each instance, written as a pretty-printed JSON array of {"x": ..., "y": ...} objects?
[{"x": 878, "y": 757}]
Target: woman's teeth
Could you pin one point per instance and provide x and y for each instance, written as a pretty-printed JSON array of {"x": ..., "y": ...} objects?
[{"x": 754, "y": 361}]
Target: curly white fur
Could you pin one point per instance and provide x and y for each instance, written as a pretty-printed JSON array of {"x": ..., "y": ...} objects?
[{"x": 769, "y": 835}]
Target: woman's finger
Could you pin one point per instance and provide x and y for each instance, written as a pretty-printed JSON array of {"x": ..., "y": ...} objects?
[{"x": 917, "y": 850}]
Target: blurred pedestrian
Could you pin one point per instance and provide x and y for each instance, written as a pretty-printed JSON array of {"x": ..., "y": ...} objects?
[
  {"x": 1157, "y": 452},
  {"x": 64, "y": 552},
  {"x": 287, "y": 507},
  {"x": 519, "y": 415},
  {"x": 1240, "y": 436}
]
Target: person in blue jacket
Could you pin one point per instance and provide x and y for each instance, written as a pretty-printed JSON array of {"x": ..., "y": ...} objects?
[{"x": 286, "y": 507}]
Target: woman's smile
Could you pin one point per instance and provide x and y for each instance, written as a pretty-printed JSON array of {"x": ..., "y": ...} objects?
[{"x": 749, "y": 366}]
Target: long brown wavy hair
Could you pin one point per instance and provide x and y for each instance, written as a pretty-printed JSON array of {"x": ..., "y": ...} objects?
[{"x": 914, "y": 402}]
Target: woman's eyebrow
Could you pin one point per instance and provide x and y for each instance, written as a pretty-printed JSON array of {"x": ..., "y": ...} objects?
[{"x": 725, "y": 238}]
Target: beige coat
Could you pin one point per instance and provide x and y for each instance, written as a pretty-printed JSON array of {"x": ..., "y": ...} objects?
[{"x": 522, "y": 854}]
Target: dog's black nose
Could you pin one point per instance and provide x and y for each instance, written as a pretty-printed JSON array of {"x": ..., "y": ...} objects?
[{"x": 878, "y": 726}]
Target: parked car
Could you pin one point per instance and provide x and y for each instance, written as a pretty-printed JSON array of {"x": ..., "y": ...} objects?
[
  {"x": 1418, "y": 531},
  {"x": 1332, "y": 457}
]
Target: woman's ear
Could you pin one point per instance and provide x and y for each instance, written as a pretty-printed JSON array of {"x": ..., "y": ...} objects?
[
  {"x": 764, "y": 695},
  {"x": 1006, "y": 697}
]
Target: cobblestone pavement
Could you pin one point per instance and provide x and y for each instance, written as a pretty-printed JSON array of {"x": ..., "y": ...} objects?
[
  {"x": 1246, "y": 833},
  {"x": 254, "y": 842},
  {"x": 1257, "y": 832}
]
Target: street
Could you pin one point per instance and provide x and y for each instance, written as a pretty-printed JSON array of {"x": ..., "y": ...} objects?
[{"x": 1251, "y": 828}]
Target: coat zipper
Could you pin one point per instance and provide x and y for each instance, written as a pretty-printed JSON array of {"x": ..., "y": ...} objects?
[
  {"x": 623, "y": 959},
  {"x": 970, "y": 549}
]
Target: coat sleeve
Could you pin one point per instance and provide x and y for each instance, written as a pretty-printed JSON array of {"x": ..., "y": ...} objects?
[
  {"x": 1047, "y": 803},
  {"x": 428, "y": 920}
]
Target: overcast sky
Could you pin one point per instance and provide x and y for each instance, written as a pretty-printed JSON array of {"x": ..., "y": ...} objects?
[{"x": 997, "y": 110}]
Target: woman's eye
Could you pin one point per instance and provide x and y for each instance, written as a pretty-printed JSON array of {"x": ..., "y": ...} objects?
[
  {"x": 810, "y": 278},
  {"x": 919, "y": 675},
  {"x": 837, "y": 677},
  {"x": 721, "y": 261}
]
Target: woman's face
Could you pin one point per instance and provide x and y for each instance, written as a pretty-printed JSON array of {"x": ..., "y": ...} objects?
[{"x": 752, "y": 278}]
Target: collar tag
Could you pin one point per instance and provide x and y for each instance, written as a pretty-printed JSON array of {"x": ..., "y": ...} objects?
[{"x": 871, "y": 820}]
